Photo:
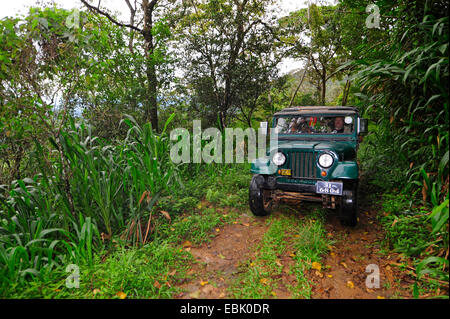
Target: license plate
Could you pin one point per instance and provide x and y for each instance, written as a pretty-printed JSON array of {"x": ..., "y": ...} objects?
[
  {"x": 284, "y": 172},
  {"x": 329, "y": 188}
]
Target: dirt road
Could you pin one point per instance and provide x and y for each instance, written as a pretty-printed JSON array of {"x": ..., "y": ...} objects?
[{"x": 343, "y": 269}]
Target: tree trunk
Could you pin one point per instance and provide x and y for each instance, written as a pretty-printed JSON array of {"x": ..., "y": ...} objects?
[
  {"x": 324, "y": 90},
  {"x": 151, "y": 107},
  {"x": 345, "y": 93}
]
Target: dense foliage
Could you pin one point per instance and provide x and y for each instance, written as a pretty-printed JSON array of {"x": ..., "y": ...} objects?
[{"x": 87, "y": 102}]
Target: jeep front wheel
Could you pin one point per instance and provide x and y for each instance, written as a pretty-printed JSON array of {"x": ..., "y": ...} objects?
[
  {"x": 259, "y": 198},
  {"x": 348, "y": 211}
]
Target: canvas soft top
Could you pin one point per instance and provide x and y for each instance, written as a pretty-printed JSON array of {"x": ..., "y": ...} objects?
[{"x": 319, "y": 109}]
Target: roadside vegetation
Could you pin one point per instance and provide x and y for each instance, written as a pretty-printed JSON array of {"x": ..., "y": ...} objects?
[{"x": 86, "y": 109}]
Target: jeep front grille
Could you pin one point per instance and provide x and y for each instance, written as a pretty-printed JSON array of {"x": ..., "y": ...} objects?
[{"x": 303, "y": 165}]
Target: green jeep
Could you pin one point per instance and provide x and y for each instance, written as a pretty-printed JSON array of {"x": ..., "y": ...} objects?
[{"x": 314, "y": 160}]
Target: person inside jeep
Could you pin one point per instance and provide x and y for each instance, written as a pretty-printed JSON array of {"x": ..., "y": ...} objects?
[
  {"x": 339, "y": 126},
  {"x": 313, "y": 125}
]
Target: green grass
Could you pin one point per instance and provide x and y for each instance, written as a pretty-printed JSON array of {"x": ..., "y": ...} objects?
[
  {"x": 408, "y": 231},
  {"x": 131, "y": 271},
  {"x": 303, "y": 236},
  {"x": 145, "y": 272},
  {"x": 310, "y": 244}
]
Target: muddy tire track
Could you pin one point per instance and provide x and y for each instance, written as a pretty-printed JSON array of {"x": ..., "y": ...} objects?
[
  {"x": 346, "y": 264},
  {"x": 217, "y": 262}
]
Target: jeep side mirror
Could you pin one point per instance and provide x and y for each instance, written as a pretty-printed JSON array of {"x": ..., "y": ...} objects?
[
  {"x": 363, "y": 126},
  {"x": 264, "y": 127}
]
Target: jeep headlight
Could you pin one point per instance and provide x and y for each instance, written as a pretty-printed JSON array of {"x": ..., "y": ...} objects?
[
  {"x": 279, "y": 159},
  {"x": 326, "y": 160}
]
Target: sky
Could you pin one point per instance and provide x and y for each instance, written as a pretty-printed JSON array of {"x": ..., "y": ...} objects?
[
  {"x": 18, "y": 7},
  {"x": 11, "y": 8}
]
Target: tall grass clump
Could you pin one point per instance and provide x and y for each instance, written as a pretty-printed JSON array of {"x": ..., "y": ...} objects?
[{"x": 87, "y": 191}]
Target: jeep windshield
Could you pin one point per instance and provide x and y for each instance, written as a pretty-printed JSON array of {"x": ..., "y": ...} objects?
[{"x": 314, "y": 125}]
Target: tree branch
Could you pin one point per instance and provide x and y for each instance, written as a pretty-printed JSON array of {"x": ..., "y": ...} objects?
[{"x": 110, "y": 18}]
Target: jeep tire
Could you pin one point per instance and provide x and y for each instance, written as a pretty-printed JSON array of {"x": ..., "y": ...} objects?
[
  {"x": 260, "y": 203},
  {"x": 348, "y": 210}
]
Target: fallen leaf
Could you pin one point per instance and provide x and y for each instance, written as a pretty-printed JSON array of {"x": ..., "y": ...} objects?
[
  {"x": 172, "y": 273},
  {"x": 202, "y": 283},
  {"x": 318, "y": 274},
  {"x": 96, "y": 291},
  {"x": 350, "y": 284},
  {"x": 195, "y": 294},
  {"x": 332, "y": 254},
  {"x": 316, "y": 265},
  {"x": 245, "y": 224},
  {"x": 330, "y": 276},
  {"x": 187, "y": 243},
  {"x": 380, "y": 297},
  {"x": 344, "y": 264},
  {"x": 394, "y": 222},
  {"x": 144, "y": 194},
  {"x": 207, "y": 289},
  {"x": 217, "y": 230},
  {"x": 165, "y": 214},
  {"x": 263, "y": 281},
  {"x": 252, "y": 264},
  {"x": 121, "y": 295},
  {"x": 221, "y": 256},
  {"x": 157, "y": 284},
  {"x": 278, "y": 262},
  {"x": 273, "y": 293}
]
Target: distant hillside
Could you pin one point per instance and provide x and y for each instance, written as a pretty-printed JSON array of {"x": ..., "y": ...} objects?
[{"x": 334, "y": 87}]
